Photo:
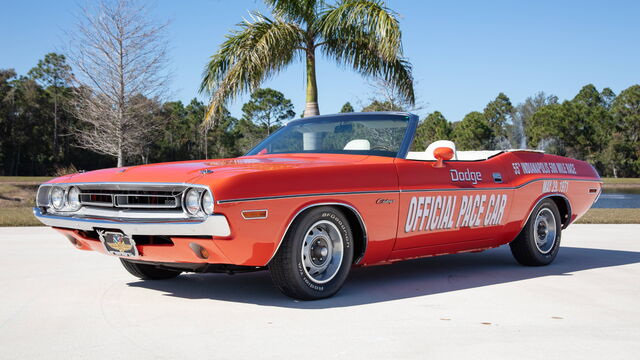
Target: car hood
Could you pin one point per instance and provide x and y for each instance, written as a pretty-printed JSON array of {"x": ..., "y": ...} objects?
[{"x": 197, "y": 171}]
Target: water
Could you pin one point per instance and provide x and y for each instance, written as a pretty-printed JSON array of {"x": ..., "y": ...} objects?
[{"x": 619, "y": 199}]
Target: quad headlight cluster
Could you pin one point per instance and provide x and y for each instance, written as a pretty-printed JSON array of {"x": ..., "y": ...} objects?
[
  {"x": 195, "y": 201},
  {"x": 64, "y": 198},
  {"x": 198, "y": 200}
]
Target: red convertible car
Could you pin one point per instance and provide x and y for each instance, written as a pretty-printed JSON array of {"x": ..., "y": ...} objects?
[{"x": 319, "y": 196}]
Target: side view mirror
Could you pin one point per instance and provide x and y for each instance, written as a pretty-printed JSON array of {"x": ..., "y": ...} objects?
[{"x": 441, "y": 154}]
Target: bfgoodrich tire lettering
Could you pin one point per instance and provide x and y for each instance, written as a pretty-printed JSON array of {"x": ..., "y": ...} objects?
[
  {"x": 538, "y": 243},
  {"x": 315, "y": 257}
]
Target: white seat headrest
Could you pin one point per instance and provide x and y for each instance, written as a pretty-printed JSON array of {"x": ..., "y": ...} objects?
[
  {"x": 441, "y": 143},
  {"x": 358, "y": 144}
]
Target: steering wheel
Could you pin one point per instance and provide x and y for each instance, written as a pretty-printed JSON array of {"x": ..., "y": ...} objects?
[{"x": 380, "y": 148}]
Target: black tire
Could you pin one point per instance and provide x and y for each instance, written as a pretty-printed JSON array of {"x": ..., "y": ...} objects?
[
  {"x": 315, "y": 233},
  {"x": 148, "y": 272},
  {"x": 544, "y": 219}
]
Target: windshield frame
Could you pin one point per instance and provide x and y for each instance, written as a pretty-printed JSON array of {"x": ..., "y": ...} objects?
[{"x": 407, "y": 139}]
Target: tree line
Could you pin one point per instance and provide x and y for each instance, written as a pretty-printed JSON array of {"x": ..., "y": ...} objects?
[
  {"x": 597, "y": 126},
  {"x": 41, "y": 134}
]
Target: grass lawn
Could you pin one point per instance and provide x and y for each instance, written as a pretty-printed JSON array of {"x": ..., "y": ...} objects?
[
  {"x": 611, "y": 216},
  {"x": 612, "y": 181},
  {"x": 621, "y": 183},
  {"x": 19, "y": 216},
  {"x": 25, "y": 179}
]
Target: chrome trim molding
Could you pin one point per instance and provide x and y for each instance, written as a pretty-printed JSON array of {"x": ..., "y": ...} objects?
[
  {"x": 404, "y": 145},
  {"x": 356, "y": 212},
  {"x": 132, "y": 211},
  {"x": 409, "y": 134},
  {"x": 394, "y": 191},
  {"x": 126, "y": 214},
  {"x": 212, "y": 225},
  {"x": 306, "y": 195}
]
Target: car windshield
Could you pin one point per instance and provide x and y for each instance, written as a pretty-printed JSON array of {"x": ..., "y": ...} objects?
[{"x": 379, "y": 134}]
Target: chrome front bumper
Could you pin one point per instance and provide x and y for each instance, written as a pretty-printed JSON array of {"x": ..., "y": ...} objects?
[{"x": 212, "y": 225}]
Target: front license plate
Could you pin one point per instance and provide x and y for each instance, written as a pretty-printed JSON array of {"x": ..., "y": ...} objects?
[{"x": 118, "y": 244}]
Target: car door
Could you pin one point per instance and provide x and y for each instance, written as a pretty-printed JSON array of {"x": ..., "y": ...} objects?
[{"x": 462, "y": 201}]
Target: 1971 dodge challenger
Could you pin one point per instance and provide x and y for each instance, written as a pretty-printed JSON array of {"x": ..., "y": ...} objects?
[{"x": 321, "y": 195}]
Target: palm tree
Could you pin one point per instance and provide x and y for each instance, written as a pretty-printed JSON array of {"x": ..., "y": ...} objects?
[{"x": 362, "y": 34}]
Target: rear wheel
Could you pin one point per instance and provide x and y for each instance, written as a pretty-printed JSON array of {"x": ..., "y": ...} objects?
[
  {"x": 148, "y": 272},
  {"x": 316, "y": 255},
  {"x": 538, "y": 243}
]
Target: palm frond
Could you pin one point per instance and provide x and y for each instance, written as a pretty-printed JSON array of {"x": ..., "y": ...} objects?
[
  {"x": 355, "y": 19},
  {"x": 252, "y": 53},
  {"x": 296, "y": 10},
  {"x": 363, "y": 55}
]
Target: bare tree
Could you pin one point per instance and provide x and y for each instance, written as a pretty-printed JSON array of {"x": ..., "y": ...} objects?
[
  {"x": 386, "y": 97},
  {"x": 121, "y": 59}
]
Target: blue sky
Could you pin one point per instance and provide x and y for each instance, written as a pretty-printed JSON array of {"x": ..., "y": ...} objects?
[{"x": 463, "y": 52}]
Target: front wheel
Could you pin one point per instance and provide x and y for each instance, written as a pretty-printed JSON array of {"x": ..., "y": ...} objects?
[
  {"x": 538, "y": 243},
  {"x": 316, "y": 255},
  {"x": 148, "y": 272}
]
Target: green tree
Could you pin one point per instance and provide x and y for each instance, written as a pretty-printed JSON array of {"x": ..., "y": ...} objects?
[
  {"x": 625, "y": 147},
  {"x": 434, "y": 127},
  {"x": 361, "y": 34},
  {"x": 268, "y": 108},
  {"x": 589, "y": 96},
  {"x": 377, "y": 105},
  {"x": 608, "y": 97},
  {"x": 5, "y": 110},
  {"x": 473, "y": 132},
  {"x": 25, "y": 119},
  {"x": 523, "y": 113},
  {"x": 545, "y": 128},
  {"x": 54, "y": 74},
  {"x": 181, "y": 134},
  {"x": 498, "y": 114},
  {"x": 579, "y": 128},
  {"x": 248, "y": 135},
  {"x": 626, "y": 109},
  {"x": 222, "y": 138},
  {"x": 347, "y": 108},
  {"x": 593, "y": 125}
]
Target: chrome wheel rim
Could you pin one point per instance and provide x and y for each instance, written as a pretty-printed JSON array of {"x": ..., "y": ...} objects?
[
  {"x": 544, "y": 230},
  {"x": 322, "y": 251}
]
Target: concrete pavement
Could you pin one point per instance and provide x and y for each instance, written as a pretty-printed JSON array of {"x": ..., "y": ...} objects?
[{"x": 58, "y": 302}]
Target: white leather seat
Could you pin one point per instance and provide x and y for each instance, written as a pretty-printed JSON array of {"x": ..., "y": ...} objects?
[
  {"x": 358, "y": 144},
  {"x": 476, "y": 155}
]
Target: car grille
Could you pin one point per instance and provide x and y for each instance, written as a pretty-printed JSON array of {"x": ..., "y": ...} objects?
[{"x": 132, "y": 199}]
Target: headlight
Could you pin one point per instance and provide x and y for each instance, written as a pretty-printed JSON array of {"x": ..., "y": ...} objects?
[
  {"x": 192, "y": 201},
  {"x": 57, "y": 197},
  {"x": 73, "y": 199},
  {"x": 207, "y": 203}
]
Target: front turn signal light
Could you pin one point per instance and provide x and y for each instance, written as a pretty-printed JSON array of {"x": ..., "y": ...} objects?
[{"x": 255, "y": 214}]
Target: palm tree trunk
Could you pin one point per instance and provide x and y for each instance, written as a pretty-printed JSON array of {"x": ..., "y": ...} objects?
[{"x": 311, "y": 109}]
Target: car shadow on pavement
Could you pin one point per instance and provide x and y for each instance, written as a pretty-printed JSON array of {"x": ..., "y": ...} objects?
[{"x": 401, "y": 280}]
